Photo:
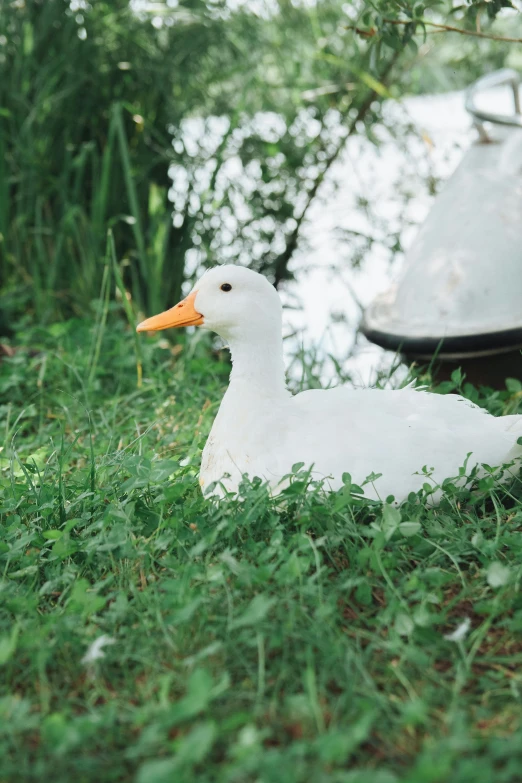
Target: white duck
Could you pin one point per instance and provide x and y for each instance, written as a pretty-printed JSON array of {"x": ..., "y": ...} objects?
[{"x": 262, "y": 430}]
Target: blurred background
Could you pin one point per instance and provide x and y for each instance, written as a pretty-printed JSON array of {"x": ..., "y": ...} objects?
[{"x": 141, "y": 142}]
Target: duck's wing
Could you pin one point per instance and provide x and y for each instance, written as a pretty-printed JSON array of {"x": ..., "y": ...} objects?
[{"x": 397, "y": 434}]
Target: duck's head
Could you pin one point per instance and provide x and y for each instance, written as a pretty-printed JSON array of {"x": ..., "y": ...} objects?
[{"x": 230, "y": 300}]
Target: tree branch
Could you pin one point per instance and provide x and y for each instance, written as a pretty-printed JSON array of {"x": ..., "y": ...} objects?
[
  {"x": 450, "y": 29},
  {"x": 291, "y": 242}
]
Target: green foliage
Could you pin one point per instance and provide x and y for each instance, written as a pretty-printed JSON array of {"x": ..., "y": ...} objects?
[
  {"x": 196, "y": 132},
  {"x": 295, "y": 639}
]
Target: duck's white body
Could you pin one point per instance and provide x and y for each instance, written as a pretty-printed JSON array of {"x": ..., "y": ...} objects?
[
  {"x": 261, "y": 430},
  {"x": 360, "y": 432}
]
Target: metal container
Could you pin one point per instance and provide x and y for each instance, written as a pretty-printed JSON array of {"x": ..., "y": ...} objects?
[{"x": 460, "y": 295}]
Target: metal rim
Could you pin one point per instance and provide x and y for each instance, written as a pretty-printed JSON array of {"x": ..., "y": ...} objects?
[
  {"x": 496, "y": 79},
  {"x": 463, "y": 345}
]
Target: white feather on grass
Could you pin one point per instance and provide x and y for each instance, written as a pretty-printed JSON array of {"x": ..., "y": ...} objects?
[{"x": 95, "y": 650}]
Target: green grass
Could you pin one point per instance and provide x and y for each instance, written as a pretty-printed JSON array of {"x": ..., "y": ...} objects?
[{"x": 252, "y": 641}]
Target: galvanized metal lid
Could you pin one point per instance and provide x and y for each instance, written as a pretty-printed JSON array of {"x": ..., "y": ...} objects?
[{"x": 461, "y": 290}]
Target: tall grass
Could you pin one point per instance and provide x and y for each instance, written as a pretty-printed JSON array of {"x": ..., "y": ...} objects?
[
  {"x": 85, "y": 103},
  {"x": 86, "y": 100}
]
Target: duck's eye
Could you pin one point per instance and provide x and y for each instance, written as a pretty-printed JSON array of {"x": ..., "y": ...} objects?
[{"x": 226, "y": 287}]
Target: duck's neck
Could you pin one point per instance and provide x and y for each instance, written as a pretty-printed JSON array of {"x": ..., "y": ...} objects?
[{"x": 258, "y": 366}]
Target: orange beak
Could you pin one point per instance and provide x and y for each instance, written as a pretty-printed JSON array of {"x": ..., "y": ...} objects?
[{"x": 182, "y": 314}]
